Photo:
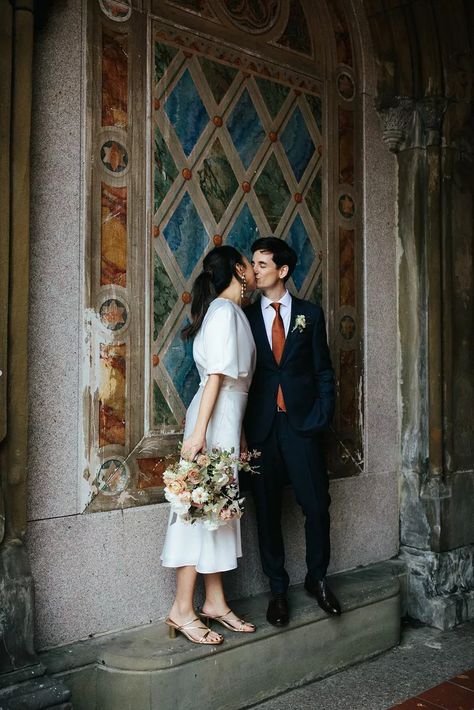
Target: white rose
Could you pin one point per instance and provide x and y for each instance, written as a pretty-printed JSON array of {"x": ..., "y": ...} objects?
[{"x": 199, "y": 495}]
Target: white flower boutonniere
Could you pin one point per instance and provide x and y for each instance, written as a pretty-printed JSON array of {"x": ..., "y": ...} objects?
[{"x": 300, "y": 323}]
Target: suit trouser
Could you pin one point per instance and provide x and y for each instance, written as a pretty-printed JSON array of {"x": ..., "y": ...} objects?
[{"x": 285, "y": 454}]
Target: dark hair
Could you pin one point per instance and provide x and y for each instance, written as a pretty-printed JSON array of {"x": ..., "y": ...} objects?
[
  {"x": 282, "y": 253},
  {"x": 218, "y": 268}
]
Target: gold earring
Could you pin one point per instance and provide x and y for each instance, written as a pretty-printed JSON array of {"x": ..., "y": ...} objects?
[{"x": 243, "y": 287}]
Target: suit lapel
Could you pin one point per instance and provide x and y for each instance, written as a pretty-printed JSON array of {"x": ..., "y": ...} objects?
[{"x": 260, "y": 333}]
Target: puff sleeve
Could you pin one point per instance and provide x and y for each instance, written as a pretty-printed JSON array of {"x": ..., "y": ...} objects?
[{"x": 221, "y": 342}]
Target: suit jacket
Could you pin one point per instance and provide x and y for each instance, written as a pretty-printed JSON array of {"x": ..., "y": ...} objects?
[{"x": 305, "y": 374}]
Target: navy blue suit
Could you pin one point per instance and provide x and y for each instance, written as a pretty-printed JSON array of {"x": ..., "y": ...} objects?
[{"x": 291, "y": 442}]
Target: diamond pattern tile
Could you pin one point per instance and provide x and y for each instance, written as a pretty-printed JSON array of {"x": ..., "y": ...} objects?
[
  {"x": 313, "y": 200},
  {"x": 186, "y": 235},
  {"x": 186, "y": 112},
  {"x": 164, "y": 55},
  {"x": 180, "y": 365},
  {"x": 244, "y": 232},
  {"x": 218, "y": 76},
  {"x": 165, "y": 169},
  {"x": 162, "y": 411},
  {"x": 297, "y": 143},
  {"x": 164, "y": 296},
  {"x": 217, "y": 180},
  {"x": 315, "y": 106},
  {"x": 273, "y": 94},
  {"x": 299, "y": 240},
  {"x": 272, "y": 192},
  {"x": 245, "y": 128}
]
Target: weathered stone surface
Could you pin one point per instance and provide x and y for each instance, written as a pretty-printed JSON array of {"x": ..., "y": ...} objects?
[
  {"x": 142, "y": 668},
  {"x": 16, "y": 609},
  {"x": 440, "y": 585},
  {"x": 40, "y": 694}
]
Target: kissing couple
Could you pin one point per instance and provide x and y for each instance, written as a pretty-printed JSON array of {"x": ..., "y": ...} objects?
[{"x": 266, "y": 383}]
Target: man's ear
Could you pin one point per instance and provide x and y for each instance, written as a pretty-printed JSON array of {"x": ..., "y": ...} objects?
[{"x": 284, "y": 271}]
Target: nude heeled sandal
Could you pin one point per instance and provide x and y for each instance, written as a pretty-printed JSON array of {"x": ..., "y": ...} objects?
[
  {"x": 228, "y": 624},
  {"x": 174, "y": 629}
]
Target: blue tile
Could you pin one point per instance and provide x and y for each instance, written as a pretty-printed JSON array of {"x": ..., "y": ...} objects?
[
  {"x": 297, "y": 143},
  {"x": 186, "y": 112},
  {"x": 244, "y": 232},
  {"x": 186, "y": 235},
  {"x": 180, "y": 364},
  {"x": 299, "y": 240},
  {"x": 245, "y": 128}
]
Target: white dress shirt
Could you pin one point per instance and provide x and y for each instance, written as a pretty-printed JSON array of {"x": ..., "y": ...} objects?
[{"x": 269, "y": 313}]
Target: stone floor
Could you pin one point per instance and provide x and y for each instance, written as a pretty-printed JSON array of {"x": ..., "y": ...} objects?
[{"x": 425, "y": 658}]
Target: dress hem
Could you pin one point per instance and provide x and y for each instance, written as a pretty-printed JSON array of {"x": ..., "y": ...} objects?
[{"x": 200, "y": 571}]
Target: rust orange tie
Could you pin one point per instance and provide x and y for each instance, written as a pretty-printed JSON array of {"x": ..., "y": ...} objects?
[{"x": 278, "y": 343}]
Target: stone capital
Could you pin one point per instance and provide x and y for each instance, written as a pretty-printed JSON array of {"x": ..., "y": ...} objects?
[
  {"x": 431, "y": 110},
  {"x": 396, "y": 120}
]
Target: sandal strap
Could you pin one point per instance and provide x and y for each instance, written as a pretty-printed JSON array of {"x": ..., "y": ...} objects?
[
  {"x": 242, "y": 622},
  {"x": 196, "y": 618}
]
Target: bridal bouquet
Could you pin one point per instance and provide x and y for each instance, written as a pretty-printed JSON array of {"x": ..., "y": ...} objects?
[{"x": 206, "y": 489}]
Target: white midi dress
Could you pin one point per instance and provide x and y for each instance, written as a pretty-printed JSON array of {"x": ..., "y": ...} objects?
[{"x": 224, "y": 344}]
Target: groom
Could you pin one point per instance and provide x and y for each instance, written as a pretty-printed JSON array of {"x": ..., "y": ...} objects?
[{"x": 291, "y": 400}]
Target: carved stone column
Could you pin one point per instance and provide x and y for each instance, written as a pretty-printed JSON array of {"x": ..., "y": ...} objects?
[
  {"x": 436, "y": 537},
  {"x": 19, "y": 665}
]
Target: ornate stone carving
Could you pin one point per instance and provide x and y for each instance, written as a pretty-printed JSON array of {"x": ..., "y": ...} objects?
[
  {"x": 432, "y": 110},
  {"x": 256, "y": 16},
  {"x": 395, "y": 121}
]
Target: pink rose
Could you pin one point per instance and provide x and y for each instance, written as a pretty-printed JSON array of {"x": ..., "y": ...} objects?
[
  {"x": 176, "y": 487},
  {"x": 193, "y": 476},
  {"x": 225, "y": 514}
]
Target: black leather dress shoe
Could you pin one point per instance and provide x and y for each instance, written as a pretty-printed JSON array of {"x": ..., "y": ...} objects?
[
  {"x": 277, "y": 612},
  {"x": 325, "y": 598}
]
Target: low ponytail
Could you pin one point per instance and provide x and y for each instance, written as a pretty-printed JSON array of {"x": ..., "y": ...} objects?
[
  {"x": 219, "y": 267},
  {"x": 203, "y": 293}
]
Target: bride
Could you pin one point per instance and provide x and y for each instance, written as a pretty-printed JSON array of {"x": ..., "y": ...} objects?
[{"x": 224, "y": 353}]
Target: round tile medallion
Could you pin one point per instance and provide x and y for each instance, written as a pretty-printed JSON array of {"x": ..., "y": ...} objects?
[
  {"x": 117, "y": 10},
  {"x": 346, "y": 206},
  {"x": 345, "y": 86},
  {"x": 113, "y": 314},
  {"x": 112, "y": 477},
  {"x": 114, "y": 157},
  {"x": 347, "y": 327}
]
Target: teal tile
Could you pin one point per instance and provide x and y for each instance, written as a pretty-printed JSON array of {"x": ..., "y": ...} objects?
[
  {"x": 313, "y": 200},
  {"x": 244, "y": 232},
  {"x": 164, "y": 296},
  {"x": 186, "y": 235},
  {"x": 164, "y": 55},
  {"x": 162, "y": 411},
  {"x": 273, "y": 94},
  {"x": 186, "y": 112},
  {"x": 245, "y": 128},
  {"x": 317, "y": 292},
  {"x": 299, "y": 240},
  {"x": 315, "y": 105},
  {"x": 272, "y": 192},
  {"x": 179, "y": 362},
  {"x": 218, "y": 76},
  {"x": 165, "y": 169},
  {"x": 217, "y": 180},
  {"x": 298, "y": 144}
]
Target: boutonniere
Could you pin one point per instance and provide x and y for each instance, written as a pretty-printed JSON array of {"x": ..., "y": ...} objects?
[{"x": 300, "y": 323}]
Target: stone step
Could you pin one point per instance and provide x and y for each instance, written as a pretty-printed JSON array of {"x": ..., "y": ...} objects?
[
  {"x": 142, "y": 669},
  {"x": 38, "y": 694}
]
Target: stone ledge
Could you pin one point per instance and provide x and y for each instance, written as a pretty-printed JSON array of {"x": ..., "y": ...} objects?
[{"x": 142, "y": 669}]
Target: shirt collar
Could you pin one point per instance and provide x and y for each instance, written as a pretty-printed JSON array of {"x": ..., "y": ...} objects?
[{"x": 285, "y": 300}]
